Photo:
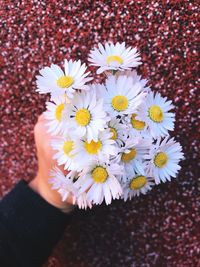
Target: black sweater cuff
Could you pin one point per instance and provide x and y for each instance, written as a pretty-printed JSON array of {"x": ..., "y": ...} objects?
[{"x": 29, "y": 226}]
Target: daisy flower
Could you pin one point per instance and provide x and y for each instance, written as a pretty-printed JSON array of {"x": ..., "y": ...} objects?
[
  {"x": 87, "y": 152},
  {"x": 65, "y": 152},
  {"x": 100, "y": 181},
  {"x": 85, "y": 115},
  {"x": 58, "y": 82},
  {"x": 114, "y": 57},
  {"x": 136, "y": 184},
  {"x": 164, "y": 159},
  {"x": 132, "y": 153},
  {"x": 136, "y": 126},
  {"x": 63, "y": 184},
  {"x": 155, "y": 113},
  {"x": 118, "y": 130},
  {"x": 122, "y": 96},
  {"x": 54, "y": 115}
]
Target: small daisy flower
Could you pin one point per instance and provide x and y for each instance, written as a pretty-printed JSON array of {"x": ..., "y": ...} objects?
[
  {"x": 87, "y": 152},
  {"x": 79, "y": 199},
  {"x": 54, "y": 115},
  {"x": 137, "y": 126},
  {"x": 155, "y": 113},
  {"x": 65, "y": 154},
  {"x": 100, "y": 182},
  {"x": 118, "y": 130},
  {"x": 58, "y": 82},
  {"x": 85, "y": 116},
  {"x": 164, "y": 158},
  {"x": 132, "y": 153},
  {"x": 114, "y": 57},
  {"x": 136, "y": 184},
  {"x": 63, "y": 184},
  {"x": 122, "y": 96}
]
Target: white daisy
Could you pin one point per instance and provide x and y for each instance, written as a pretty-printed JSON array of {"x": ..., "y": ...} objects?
[
  {"x": 155, "y": 113},
  {"x": 118, "y": 130},
  {"x": 164, "y": 158},
  {"x": 135, "y": 123},
  {"x": 54, "y": 115},
  {"x": 100, "y": 182},
  {"x": 122, "y": 96},
  {"x": 132, "y": 153},
  {"x": 58, "y": 82},
  {"x": 63, "y": 184},
  {"x": 87, "y": 152},
  {"x": 114, "y": 57},
  {"x": 65, "y": 152},
  {"x": 137, "y": 126},
  {"x": 85, "y": 116},
  {"x": 136, "y": 184}
]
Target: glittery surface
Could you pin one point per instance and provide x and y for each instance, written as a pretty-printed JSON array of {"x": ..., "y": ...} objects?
[{"x": 161, "y": 228}]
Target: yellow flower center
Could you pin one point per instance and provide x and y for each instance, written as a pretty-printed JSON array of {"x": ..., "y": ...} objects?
[
  {"x": 160, "y": 159},
  {"x": 138, "y": 125},
  {"x": 156, "y": 113},
  {"x": 68, "y": 147},
  {"x": 114, "y": 133},
  {"x": 58, "y": 111},
  {"x": 65, "y": 81},
  {"x": 138, "y": 182},
  {"x": 93, "y": 147},
  {"x": 83, "y": 117},
  {"x": 114, "y": 59},
  {"x": 126, "y": 157},
  {"x": 99, "y": 174},
  {"x": 119, "y": 102}
]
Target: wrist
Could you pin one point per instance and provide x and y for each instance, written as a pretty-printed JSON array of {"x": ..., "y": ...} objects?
[{"x": 50, "y": 196}]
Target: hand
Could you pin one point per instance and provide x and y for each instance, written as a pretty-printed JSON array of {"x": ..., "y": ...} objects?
[{"x": 45, "y": 154}]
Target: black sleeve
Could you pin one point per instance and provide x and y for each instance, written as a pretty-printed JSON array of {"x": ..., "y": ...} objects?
[{"x": 29, "y": 228}]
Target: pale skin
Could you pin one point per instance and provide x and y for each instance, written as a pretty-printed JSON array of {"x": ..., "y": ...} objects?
[{"x": 40, "y": 183}]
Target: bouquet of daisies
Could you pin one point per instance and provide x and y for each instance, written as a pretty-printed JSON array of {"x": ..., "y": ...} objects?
[{"x": 112, "y": 138}]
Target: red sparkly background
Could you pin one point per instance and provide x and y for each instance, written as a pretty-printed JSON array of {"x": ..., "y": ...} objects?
[{"x": 161, "y": 228}]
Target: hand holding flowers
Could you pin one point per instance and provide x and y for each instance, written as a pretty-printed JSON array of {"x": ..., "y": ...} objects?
[{"x": 113, "y": 137}]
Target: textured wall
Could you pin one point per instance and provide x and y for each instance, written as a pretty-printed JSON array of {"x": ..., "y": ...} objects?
[{"x": 161, "y": 228}]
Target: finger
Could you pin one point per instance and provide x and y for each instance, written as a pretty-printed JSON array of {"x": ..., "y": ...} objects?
[
  {"x": 71, "y": 199},
  {"x": 41, "y": 117}
]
